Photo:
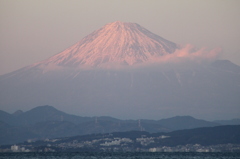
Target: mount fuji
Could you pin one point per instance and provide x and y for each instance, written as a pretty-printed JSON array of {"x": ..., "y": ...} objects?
[
  {"x": 117, "y": 71},
  {"x": 117, "y": 43}
]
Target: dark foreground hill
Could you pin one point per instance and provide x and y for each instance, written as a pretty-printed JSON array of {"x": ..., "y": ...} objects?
[
  {"x": 47, "y": 122},
  {"x": 220, "y": 138}
]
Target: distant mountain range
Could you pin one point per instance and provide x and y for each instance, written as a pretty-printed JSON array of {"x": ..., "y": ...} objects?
[{"x": 48, "y": 122}]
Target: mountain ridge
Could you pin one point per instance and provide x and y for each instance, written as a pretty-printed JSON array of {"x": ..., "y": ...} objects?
[{"x": 39, "y": 124}]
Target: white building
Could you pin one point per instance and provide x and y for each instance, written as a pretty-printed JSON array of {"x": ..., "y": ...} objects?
[{"x": 15, "y": 148}]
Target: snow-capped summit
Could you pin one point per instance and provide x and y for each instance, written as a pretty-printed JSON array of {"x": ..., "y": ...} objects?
[{"x": 118, "y": 42}]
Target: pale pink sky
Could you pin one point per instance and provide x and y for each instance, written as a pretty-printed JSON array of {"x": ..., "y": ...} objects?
[{"x": 32, "y": 31}]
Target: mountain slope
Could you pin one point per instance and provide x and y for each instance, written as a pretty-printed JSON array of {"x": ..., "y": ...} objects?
[
  {"x": 227, "y": 65},
  {"x": 228, "y": 122},
  {"x": 48, "y": 113},
  {"x": 214, "y": 139},
  {"x": 185, "y": 122},
  {"x": 7, "y": 118},
  {"x": 205, "y": 136},
  {"x": 115, "y": 43}
]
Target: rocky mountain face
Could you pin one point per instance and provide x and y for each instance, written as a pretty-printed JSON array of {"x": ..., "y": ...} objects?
[{"x": 115, "y": 72}]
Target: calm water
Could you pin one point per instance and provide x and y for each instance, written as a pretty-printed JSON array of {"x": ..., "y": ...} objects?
[{"x": 141, "y": 155}]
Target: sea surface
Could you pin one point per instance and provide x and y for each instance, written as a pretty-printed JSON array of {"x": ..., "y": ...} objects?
[{"x": 124, "y": 155}]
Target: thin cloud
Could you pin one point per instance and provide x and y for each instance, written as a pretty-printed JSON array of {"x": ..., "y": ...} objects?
[{"x": 191, "y": 53}]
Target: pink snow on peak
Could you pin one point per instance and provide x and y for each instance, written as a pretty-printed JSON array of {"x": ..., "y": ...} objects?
[{"x": 115, "y": 43}]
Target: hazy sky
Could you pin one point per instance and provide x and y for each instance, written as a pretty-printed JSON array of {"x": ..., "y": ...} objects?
[{"x": 33, "y": 30}]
